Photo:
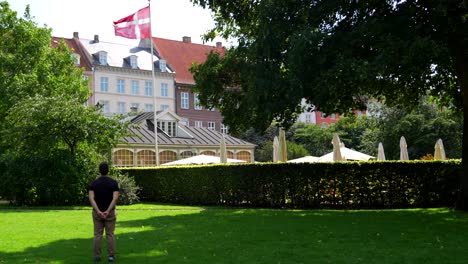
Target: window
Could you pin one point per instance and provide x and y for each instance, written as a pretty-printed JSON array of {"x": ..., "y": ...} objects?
[
  {"x": 208, "y": 152},
  {"x": 187, "y": 154},
  {"x": 120, "y": 107},
  {"x": 149, "y": 108},
  {"x": 164, "y": 91},
  {"x": 211, "y": 125},
  {"x": 224, "y": 129},
  {"x": 243, "y": 155},
  {"x": 162, "y": 65},
  {"x": 169, "y": 127},
  {"x": 103, "y": 58},
  {"x": 135, "y": 87},
  {"x": 104, "y": 84},
  {"x": 333, "y": 116},
  {"x": 167, "y": 156},
  {"x": 308, "y": 118},
  {"x": 120, "y": 86},
  {"x": 164, "y": 107},
  {"x": 134, "y": 62},
  {"x": 323, "y": 115},
  {"x": 196, "y": 102},
  {"x": 105, "y": 106},
  {"x": 149, "y": 88},
  {"x": 134, "y": 107},
  {"x": 123, "y": 157},
  {"x": 76, "y": 58},
  {"x": 184, "y": 100},
  {"x": 198, "y": 123},
  {"x": 146, "y": 157}
]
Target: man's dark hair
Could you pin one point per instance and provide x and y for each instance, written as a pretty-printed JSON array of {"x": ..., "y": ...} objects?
[{"x": 104, "y": 168}]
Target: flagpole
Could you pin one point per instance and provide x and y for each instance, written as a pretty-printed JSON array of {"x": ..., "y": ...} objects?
[{"x": 156, "y": 149}]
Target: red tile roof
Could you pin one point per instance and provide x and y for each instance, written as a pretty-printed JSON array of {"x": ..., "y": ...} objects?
[{"x": 180, "y": 55}]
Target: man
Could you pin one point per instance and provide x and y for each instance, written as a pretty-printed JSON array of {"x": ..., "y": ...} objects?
[{"x": 103, "y": 195}]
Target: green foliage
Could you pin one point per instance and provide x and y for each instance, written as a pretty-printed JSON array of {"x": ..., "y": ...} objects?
[
  {"x": 50, "y": 143},
  {"x": 394, "y": 51},
  {"x": 318, "y": 185},
  {"x": 55, "y": 179},
  {"x": 265, "y": 153},
  {"x": 128, "y": 193}
]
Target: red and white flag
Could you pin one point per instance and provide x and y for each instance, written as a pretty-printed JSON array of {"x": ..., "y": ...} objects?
[{"x": 137, "y": 26}]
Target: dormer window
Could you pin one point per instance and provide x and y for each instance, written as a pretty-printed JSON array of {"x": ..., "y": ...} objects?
[
  {"x": 76, "y": 58},
  {"x": 134, "y": 62},
  {"x": 103, "y": 58},
  {"x": 162, "y": 65},
  {"x": 169, "y": 127}
]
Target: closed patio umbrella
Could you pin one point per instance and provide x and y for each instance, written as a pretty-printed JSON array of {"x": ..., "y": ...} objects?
[
  {"x": 439, "y": 153},
  {"x": 222, "y": 150},
  {"x": 403, "y": 149},
  {"x": 275, "y": 149},
  {"x": 381, "y": 153},
  {"x": 283, "y": 152},
  {"x": 337, "y": 156}
]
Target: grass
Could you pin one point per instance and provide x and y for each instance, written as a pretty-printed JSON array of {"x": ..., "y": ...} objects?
[{"x": 152, "y": 233}]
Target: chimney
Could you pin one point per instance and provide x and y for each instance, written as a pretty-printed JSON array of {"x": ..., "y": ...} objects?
[
  {"x": 186, "y": 39},
  {"x": 96, "y": 38},
  {"x": 219, "y": 44},
  {"x": 75, "y": 35}
]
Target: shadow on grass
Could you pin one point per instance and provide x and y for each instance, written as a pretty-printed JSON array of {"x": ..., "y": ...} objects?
[{"x": 273, "y": 236}]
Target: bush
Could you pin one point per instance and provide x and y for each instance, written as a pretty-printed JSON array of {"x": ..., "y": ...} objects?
[
  {"x": 378, "y": 184},
  {"x": 56, "y": 179},
  {"x": 128, "y": 188}
]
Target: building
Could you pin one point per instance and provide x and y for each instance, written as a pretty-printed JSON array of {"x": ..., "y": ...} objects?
[
  {"x": 121, "y": 77},
  {"x": 311, "y": 116},
  {"x": 175, "y": 141},
  {"x": 180, "y": 55}
]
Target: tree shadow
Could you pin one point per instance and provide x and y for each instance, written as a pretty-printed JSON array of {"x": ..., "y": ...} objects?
[{"x": 272, "y": 236}]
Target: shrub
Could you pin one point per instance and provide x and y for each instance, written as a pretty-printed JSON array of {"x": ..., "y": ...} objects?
[
  {"x": 128, "y": 188},
  {"x": 378, "y": 184}
]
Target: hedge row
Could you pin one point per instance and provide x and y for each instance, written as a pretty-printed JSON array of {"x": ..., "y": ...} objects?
[{"x": 388, "y": 184}]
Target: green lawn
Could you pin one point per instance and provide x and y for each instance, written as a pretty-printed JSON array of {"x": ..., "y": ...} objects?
[{"x": 176, "y": 234}]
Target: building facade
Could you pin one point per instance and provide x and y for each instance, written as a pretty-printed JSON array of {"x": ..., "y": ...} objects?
[
  {"x": 174, "y": 141},
  {"x": 180, "y": 55}
]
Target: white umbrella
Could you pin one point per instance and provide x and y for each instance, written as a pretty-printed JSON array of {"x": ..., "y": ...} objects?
[
  {"x": 439, "y": 153},
  {"x": 304, "y": 159},
  {"x": 337, "y": 156},
  {"x": 200, "y": 159},
  {"x": 283, "y": 152},
  {"x": 347, "y": 154},
  {"x": 275, "y": 149},
  {"x": 381, "y": 153},
  {"x": 222, "y": 150},
  {"x": 403, "y": 149}
]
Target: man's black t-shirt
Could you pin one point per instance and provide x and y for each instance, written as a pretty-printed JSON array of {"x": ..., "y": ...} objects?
[{"x": 103, "y": 188}]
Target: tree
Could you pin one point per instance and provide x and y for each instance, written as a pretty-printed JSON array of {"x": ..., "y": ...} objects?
[
  {"x": 336, "y": 54},
  {"x": 421, "y": 127},
  {"x": 50, "y": 143}
]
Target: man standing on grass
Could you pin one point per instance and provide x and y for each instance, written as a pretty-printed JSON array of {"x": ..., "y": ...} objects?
[{"x": 103, "y": 195}]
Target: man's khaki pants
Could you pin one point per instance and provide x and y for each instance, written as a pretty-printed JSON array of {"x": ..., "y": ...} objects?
[{"x": 109, "y": 225}]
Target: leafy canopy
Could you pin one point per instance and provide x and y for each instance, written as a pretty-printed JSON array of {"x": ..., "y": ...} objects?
[{"x": 335, "y": 54}]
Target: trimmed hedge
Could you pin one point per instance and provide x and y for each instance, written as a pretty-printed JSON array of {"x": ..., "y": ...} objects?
[{"x": 377, "y": 184}]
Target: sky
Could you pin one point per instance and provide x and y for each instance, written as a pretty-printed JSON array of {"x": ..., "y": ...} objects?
[{"x": 170, "y": 19}]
